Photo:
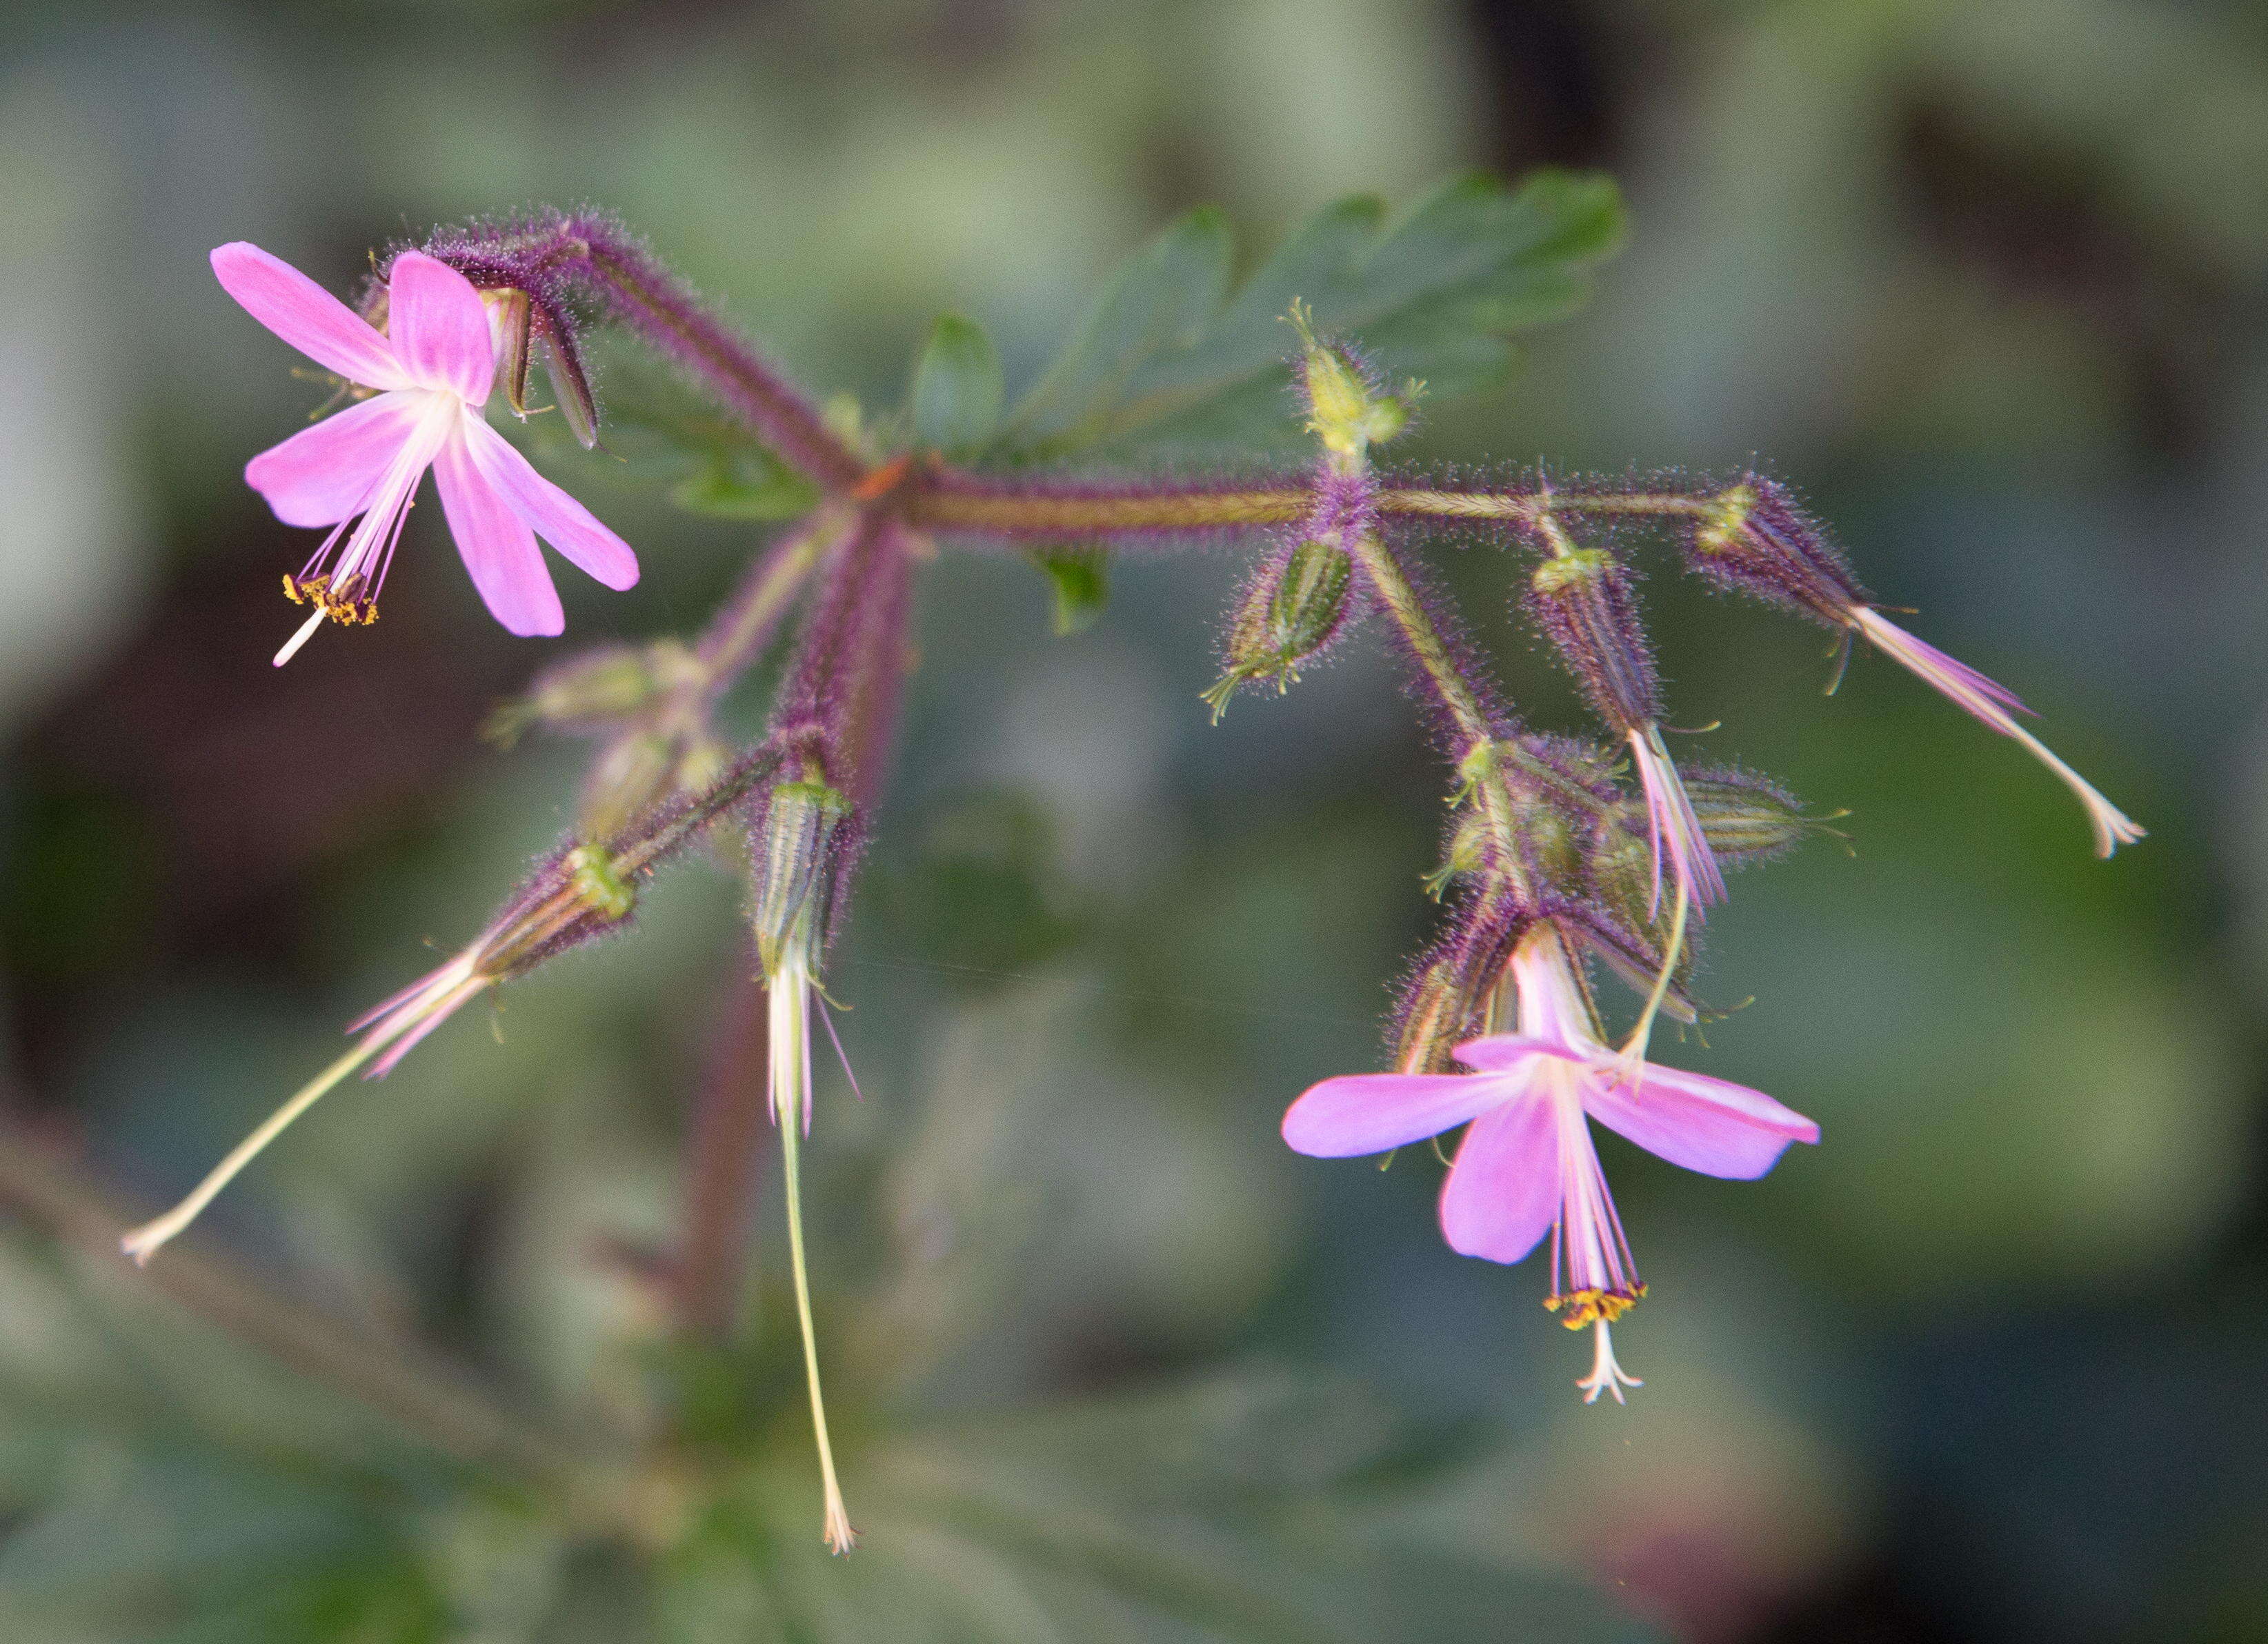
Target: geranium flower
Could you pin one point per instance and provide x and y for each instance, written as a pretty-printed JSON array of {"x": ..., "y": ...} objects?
[
  {"x": 427, "y": 379},
  {"x": 1526, "y": 1167}
]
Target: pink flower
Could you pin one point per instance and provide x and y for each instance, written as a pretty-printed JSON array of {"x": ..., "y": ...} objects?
[
  {"x": 1526, "y": 1167},
  {"x": 427, "y": 382},
  {"x": 1997, "y": 706}
]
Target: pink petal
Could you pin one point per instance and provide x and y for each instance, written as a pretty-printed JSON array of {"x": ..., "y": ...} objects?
[
  {"x": 562, "y": 521},
  {"x": 498, "y": 548},
  {"x": 1987, "y": 699},
  {"x": 326, "y": 474},
  {"x": 307, "y": 316},
  {"x": 1712, "y": 1126},
  {"x": 440, "y": 328},
  {"x": 1501, "y": 1053},
  {"x": 1503, "y": 1192},
  {"x": 1368, "y": 1112}
]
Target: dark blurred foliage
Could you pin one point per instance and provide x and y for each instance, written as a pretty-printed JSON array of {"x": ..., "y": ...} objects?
[{"x": 1984, "y": 278}]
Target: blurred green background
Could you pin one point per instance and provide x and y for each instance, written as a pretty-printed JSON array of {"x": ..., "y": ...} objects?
[{"x": 1983, "y": 276}]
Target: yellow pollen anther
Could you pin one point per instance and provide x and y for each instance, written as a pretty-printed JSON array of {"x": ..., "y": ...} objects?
[{"x": 1589, "y": 1306}]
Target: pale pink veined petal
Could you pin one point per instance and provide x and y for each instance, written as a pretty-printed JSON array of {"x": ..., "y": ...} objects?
[
  {"x": 326, "y": 474},
  {"x": 1984, "y": 697},
  {"x": 1712, "y": 1126},
  {"x": 1503, "y": 1193},
  {"x": 1990, "y": 702},
  {"x": 307, "y": 316},
  {"x": 557, "y": 518},
  {"x": 1501, "y": 1053},
  {"x": 498, "y": 548},
  {"x": 439, "y": 327},
  {"x": 1675, "y": 831},
  {"x": 1368, "y": 1112}
]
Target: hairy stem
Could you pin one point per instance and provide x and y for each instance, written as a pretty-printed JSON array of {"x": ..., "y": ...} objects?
[
  {"x": 737, "y": 634},
  {"x": 947, "y": 500},
  {"x": 592, "y": 255},
  {"x": 1473, "y": 719},
  {"x": 1528, "y": 506}
]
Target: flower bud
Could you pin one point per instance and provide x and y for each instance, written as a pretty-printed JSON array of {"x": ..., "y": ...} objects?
[
  {"x": 1291, "y": 611},
  {"x": 1620, "y": 864},
  {"x": 1751, "y": 537},
  {"x": 795, "y": 842},
  {"x": 509, "y": 331},
  {"x": 1582, "y": 598},
  {"x": 1549, "y": 837},
  {"x": 634, "y": 771},
  {"x": 592, "y": 691},
  {"x": 1346, "y": 408},
  {"x": 1744, "y": 818},
  {"x": 562, "y": 363},
  {"x": 1466, "y": 855},
  {"x": 1445, "y": 1002}
]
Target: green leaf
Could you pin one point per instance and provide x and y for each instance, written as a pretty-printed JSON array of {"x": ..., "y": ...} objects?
[
  {"x": 956, "y": 393},
  {"x": 1164, "y": 364},
  {"x": 663, "y": 433},
  {"x": 744, "y": 484},
  {"x": 1080, "y": 579},
  {"x": 1158, "y": 306}
]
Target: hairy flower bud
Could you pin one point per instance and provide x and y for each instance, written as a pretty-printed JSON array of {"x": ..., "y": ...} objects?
[
  {"x": 1447, "y": 1001},
  {"x": 1346, "y": 409},
  {"x": 796, "y": 841},
  {"x": 1752, "y": 537},
  {"x": 634, "y": 771},
  {"x": 1291, "y": 611},
  {"x": 592, "y": 691},
  {"x": 1550, "y": 838},
  {"x": 509, "y": 331},
  {"x": 1582, "y": 599},
  {"x": 1743, "y": 816}
]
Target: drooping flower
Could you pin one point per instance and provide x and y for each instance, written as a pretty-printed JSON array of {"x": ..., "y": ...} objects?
[
  {"x": 1526, "y": 1167},
  {"x": 1997, "y": 706},
  {"x": 427, "y": 377}
]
